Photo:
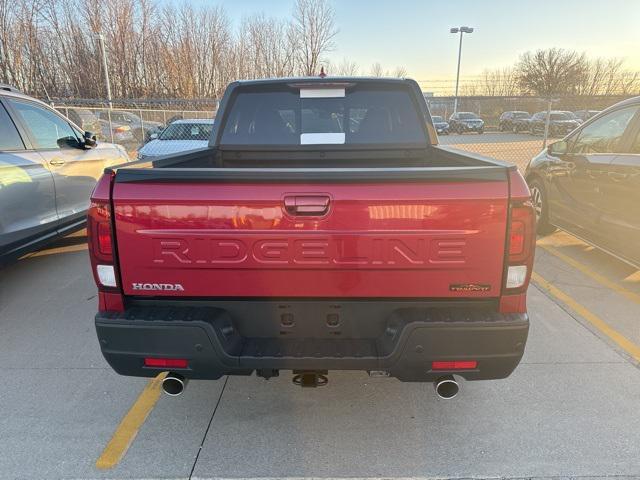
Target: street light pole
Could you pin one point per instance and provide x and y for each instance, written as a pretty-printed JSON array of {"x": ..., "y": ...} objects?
[
  {"x": 100, "y": 38},
  {"x": 460, "y": 30}
]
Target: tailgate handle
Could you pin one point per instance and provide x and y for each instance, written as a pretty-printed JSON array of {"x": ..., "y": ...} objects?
[{"x": 306, "y": 205}]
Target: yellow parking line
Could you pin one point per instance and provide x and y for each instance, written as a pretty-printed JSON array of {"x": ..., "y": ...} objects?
[
  {"x": 634, "y": 297},
  {"x": 57, "y": 250},
  {"x": 622, "y": 341},
  {"x": 130, "y": 424}
]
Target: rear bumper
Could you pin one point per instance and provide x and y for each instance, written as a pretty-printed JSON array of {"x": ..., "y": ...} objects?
[{"x": 235, "y": 338}]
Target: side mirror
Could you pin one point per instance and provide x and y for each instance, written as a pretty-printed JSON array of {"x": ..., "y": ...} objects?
[
  {"x": 558, "y": 148},
  {"x": 69, "y": 142},
  {"x": 90, "y": 140}
]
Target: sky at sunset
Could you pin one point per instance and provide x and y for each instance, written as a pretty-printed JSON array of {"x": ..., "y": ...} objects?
[{"x": 415, "y": 33}]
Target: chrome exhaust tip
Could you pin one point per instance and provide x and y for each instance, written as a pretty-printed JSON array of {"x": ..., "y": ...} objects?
[
  {"x": 174, "y": 384},
  {"x": 446, "y": 387}
]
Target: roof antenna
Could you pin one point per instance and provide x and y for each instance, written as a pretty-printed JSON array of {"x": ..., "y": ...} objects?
[{"x": 322, "y": 73}]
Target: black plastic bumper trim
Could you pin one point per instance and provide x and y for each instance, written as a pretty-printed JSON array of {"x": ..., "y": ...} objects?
[{"x": 405, "y": 344}]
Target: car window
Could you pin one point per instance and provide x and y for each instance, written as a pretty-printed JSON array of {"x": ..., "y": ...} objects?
[
  {"x": 187, "y": 131},
  {"x": 47, "y": 128},
  {"x": 603, "y": 135},
  {"x": 9, "y": 136}
]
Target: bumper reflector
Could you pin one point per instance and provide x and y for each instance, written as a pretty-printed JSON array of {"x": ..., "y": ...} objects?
[
  {"x": 106, "y": 275},
  {"x": 454, "y": 365},
  {"x": 166, "y": 362}
]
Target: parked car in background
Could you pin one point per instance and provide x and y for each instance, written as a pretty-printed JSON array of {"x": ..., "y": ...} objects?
[
  {"x": 514, "y": 121},
  {"x": 585, "y": 115},
  {"x": 588, "y": 184},
  {"x": 83, "y": 118},
  {"x": 48, "y": 168},
  {"x": 462, "y": 122},
  {"x": 118, "y": 133},
  {"x": 560, "y": 123},
  {"x": 440, "y": 124},
  {"x": 140, "y": 128},
  {"x": 180, "y": 136}
]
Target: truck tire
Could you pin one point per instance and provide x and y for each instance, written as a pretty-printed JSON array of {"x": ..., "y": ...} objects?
[{"x": 541, "y": 207}]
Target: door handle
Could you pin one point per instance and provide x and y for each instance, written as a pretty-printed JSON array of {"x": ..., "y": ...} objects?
[
  {"x": 306, "y": 205},
  {"x": 56, "y": 162},
  {"x": 617, "y": 176}
]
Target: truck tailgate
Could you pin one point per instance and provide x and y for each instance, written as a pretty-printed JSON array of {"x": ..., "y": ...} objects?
[{"x": 437, "y": 239}]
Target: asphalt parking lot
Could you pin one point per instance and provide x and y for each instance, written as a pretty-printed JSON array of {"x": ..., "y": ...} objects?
[
  {"x": 569, "y": 410},
  {"x": 516, "y": 148}
]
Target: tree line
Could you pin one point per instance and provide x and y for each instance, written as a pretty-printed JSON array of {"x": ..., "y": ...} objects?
[
  {"x": 156, "y": 49},
  {"x": 557, "y": 72}
]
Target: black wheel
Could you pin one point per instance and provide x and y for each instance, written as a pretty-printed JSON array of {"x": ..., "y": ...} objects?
[{"x": 541, "y": 207}]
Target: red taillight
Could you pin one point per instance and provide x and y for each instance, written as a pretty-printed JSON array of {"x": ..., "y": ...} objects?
[
  {"x": 454, "y": 365},
  {"x": 521, "y": 237},
  {"x": 521, "y": 244},
  {"x": 517, "y": 238},
  {"x": 521, "y": 232},
  {"x": 166, "y": 362},
  {"x": 520, "y": 249},
  {"x": 101, "y": 241},
  {"x": 99, "y": 232},
  {"x": 104, "y": 238}
]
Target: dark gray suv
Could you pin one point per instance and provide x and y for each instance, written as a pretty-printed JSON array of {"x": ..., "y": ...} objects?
[{"x": 48, "y": 168}]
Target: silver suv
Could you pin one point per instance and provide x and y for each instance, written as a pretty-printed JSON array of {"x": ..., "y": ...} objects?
[{"x": 48, "y": 168}]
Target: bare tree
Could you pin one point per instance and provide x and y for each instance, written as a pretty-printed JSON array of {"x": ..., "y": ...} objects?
[
  {"x": 551, "y": 72},
  {"x": 400, "y": 72},
  {"x": 347, "y": 68},
  {"x": 314, "y": 30},
  {"x": 377, "y": 70}
]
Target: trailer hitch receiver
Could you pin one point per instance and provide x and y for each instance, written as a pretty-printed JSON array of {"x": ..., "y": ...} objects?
[{"x": 310, "y": 378}]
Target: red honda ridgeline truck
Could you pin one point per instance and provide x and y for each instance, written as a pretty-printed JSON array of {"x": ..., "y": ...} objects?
[{"x": 323, "y": 229}]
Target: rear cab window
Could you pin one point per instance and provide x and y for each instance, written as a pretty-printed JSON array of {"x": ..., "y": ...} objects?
[{"x": 355, "y": 115}]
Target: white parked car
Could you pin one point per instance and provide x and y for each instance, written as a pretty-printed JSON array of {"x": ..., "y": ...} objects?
[{"x": 179, "y": 136}]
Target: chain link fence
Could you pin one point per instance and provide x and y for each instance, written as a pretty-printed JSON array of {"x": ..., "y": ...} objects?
[
  {"x": 129, "y": 127},
  {"x": 514, "y": 128},
  {"x": 135, "y": 123}
]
